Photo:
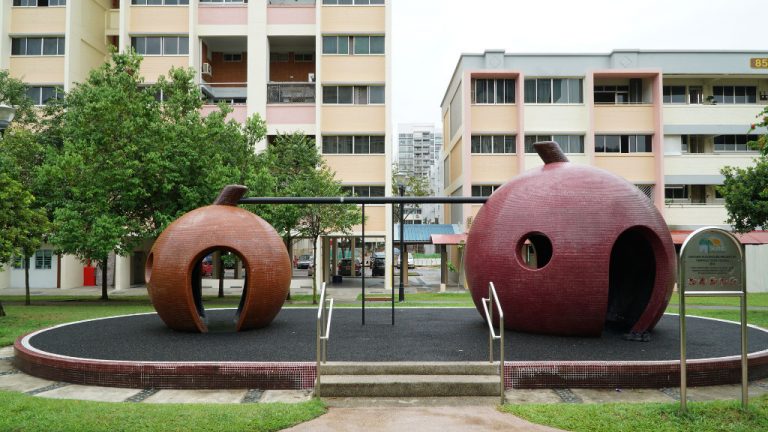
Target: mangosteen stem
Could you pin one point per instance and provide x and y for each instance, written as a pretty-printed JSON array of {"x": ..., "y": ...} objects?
[
  {"x": 230, "y": 195},
  {"x": 550, "y": 152}
]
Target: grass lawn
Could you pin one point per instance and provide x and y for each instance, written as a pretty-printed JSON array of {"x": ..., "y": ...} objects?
[
  {"x": 702, "y": 416},
  {"x": 19, "y": 412},
  {"x": 753, "y": 299}
]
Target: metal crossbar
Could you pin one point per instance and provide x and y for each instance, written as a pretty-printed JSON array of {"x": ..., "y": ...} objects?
[
  {"x": 488, "y": 309},
  {"x": 324, "y": 316}
]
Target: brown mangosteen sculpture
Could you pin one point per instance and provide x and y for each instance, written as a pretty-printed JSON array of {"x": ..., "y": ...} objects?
[
  {"x": 173, "y": 266},
  {"x": 571, "y": 248}
]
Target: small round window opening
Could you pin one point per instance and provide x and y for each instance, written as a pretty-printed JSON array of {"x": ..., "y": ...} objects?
[{"x": 535, "y": 251}]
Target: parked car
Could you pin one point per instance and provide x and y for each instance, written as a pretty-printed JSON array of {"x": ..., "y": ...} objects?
[
  {"x": 379, "y": 264},
  {"x": 345, "y": 267},
  {"x": 207, "y": 268},
  {"x": 305, "y": 261},
  {"x": 411, "y": 262}
]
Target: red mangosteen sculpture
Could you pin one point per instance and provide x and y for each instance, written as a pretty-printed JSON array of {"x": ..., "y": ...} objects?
[
  {"x": 571, "y": 248},
  {"x": 174, "y": 265}
]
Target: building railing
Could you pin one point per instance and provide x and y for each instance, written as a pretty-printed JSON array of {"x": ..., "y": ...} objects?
[
  {"x": 488, "y": 306},
  {"x": 290, "y": 93},
  {"x": 324, "y": 315}
]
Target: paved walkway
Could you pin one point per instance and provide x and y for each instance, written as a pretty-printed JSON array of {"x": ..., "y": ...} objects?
[{"x": 14, "y": 380}]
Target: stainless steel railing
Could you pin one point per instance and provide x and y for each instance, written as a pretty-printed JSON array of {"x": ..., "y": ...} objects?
[
  {"x": 324, "y": 315},
  {"x": 488, "y": 308},
  {"x": 290, "y": 93}
]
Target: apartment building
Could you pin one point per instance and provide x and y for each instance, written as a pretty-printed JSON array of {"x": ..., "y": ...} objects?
[
  {"x": 419, "y": 147},
  {"x": 322, "y": 68},
  {"x": 665, "y": 121}
]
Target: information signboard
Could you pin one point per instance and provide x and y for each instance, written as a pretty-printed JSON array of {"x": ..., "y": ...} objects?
[
  {"x": 711, "y": 260},
  {"x": 711, "y": 264}
]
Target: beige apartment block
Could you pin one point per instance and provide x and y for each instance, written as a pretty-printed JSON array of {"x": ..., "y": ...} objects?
[
  {"x": 666, "y": 121},
  {"x": 318, "y": 67}
]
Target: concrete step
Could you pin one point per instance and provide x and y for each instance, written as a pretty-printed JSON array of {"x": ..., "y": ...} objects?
[
  {"x": 410, "y": 368},
  {"x": 408, "y": 385}
]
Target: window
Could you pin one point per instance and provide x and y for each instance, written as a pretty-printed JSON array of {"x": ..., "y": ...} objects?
[
  {"x": 674, "y": 95},
  {"x": 361, "y": 45},
  {"x": 41, "y": 95},
  {"x": 358, "y": 95},
  {"x": 568, "y": 143},
  {"x": 554, "y": 90},
  {"x": 363, "y": 191},
  {"x": 493, "y": 91},
  {"x": 223, "y": 1},
  {"x": 35, "y": 46},
  {"x": 41, "y": 3},
  {"x": 351, "y": 2},
  {"x": 304, "y": 58},
  {"x": 612, "y": 94},
  {"x": 695, "y": 95},
  {"x": 43, "y": 259},
  {"x": 623, "y": 144},
  {"x": 735, "y": 94},
  {"x": 362, "y": 144},
  {"x": 676, "y": 193},
  {"x": 484, "y": 190},
  {"x": 498, "y": 144},
  {"x": 161, "y": 45},
  {"x": 18, "y": 263},
  {"x": 162, "y": 2},
  {"x": 733, "y": 143},
  {"x": 232, "y": 58}
]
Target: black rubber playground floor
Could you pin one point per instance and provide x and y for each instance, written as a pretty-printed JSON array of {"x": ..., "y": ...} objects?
[{"x": 419, "y": 335}]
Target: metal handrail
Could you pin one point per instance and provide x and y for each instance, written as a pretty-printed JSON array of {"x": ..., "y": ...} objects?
[
  {"x": 493, "y": 297},
  {"x": 324, "y": 317}
]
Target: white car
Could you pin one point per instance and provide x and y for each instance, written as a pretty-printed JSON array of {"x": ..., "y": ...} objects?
[{"x": 411, "y": 262}]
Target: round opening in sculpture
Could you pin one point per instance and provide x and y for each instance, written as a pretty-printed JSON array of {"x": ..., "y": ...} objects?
[{"x": 534, "y": 251}]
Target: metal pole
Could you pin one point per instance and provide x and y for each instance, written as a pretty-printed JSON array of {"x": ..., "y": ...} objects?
[
  {"x": 392, "y": 268},
  {"x": 683, "y": 370},
  {"x": 363, "y": 265},
  {"x": 403, "y": 259},
  {"x": 744, "y": 354}
]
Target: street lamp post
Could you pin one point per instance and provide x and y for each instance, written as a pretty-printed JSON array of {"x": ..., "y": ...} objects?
[
  {"x": 7, "y": 113},
  {"x": 400, "y": 180}
]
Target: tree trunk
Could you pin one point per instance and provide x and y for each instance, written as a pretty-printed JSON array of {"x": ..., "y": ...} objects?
[
  {"x": 2, "y": 311},
  {"x": 27, "y": 300},
  {"x": 104, "y": 296},
  {"x": 317, "y": 269},
  {"x": 221, "y": 275}
]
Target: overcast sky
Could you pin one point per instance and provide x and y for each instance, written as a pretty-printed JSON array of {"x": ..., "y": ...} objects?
[{"x": 430, "y": 35}]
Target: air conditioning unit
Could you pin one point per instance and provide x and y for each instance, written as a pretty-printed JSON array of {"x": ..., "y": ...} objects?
[
  {"x": 206, "y": 69},
  {"x": 311, "y": 78}
]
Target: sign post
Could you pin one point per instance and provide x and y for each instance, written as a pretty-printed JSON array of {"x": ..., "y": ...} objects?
[{"x": 712, "y": 265}]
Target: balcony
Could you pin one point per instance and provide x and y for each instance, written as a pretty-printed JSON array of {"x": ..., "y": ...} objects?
[
  {"x": 223, "y": 14},
  {"x": 233, "y": 93},
  {"x": 695, "y": 215},
  {"x": 291, "y": 93},
  {"x": 291, "y": 12}
]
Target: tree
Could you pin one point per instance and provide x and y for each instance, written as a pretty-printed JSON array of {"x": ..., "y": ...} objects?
[
  {"x": 321, "y": 220},
  {"x": 133, "y": 162},
  {"x": 23, "y": 152},
  {"x": 414, "y": 186},
  {"x": 291, "y": 156},
  {"x": 22, "y": 225},
  {"x": 746, "y": 189}
]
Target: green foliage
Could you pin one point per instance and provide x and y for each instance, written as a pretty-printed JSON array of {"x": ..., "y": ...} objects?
[
  {"x": 746, "y": 189},
  {"x": 746, "y": 195},
  {"x": 13, "y": 92},
  {"x": 20, "y": 412},
  {"x": 130, "y": 164},
  {"x": 414, "y": 186},
  {"x": 702, "y": 416}
]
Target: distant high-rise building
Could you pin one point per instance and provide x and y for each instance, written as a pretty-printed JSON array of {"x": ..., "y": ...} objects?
[{"x": 419, "y": 148}]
